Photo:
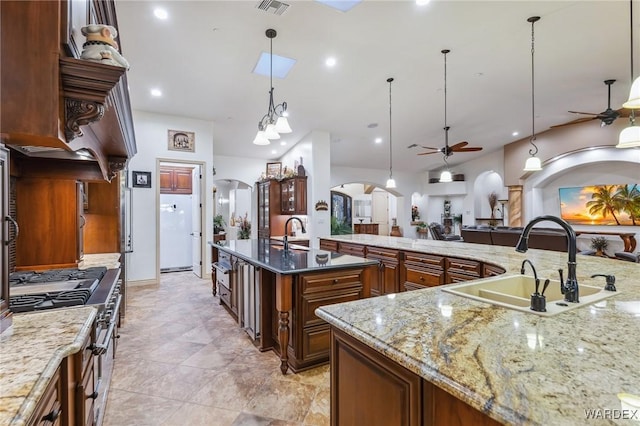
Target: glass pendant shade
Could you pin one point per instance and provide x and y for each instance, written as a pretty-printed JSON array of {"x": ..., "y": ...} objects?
[
  {"x": 282, "y": 125},
  {"x": 445, "y": 176},
  {"x": 629, "y": 137},
  {"x": 533, "y": 164},
  {"x": 391, "y": 183},
  {"x": 634, "y": 96},
  {"x": 261, "y": 139},
  {"x": 270, "y": 132}
]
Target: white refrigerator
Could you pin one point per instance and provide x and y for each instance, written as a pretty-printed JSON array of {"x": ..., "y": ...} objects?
[{"x": 176, "y": 245}]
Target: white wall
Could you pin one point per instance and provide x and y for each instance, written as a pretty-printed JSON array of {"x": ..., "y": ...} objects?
[{"x": 151, "y": 137}]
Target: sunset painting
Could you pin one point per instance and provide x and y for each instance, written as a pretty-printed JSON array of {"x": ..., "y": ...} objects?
[{"x": 601, "y": 205}]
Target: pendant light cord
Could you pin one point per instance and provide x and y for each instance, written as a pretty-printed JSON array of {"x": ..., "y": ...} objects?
[
  {"x": 390, "y": 152},
  {"x": 534, "y": 150}
]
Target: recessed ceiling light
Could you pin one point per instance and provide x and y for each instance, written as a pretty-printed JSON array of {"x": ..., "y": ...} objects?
[
  {"x": 378, "y": 140},
  {"x": 283, "y": 143},
  {"x": 330, "y": 62},
  {"x": 156, "y": 93},
  {"x": 515, "y": 134},
  {"x": 422, "y": 2},
  {"x": 160, "y": 13},
  {"x": 273, "y": 151}
]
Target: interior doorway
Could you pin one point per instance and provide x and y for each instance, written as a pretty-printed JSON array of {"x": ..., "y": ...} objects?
[{"x": 180, "y": 216}]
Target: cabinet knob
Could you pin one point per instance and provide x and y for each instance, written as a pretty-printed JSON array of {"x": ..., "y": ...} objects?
[
  {"x": 421, "y": 278},
  {"x": 335, "y": 281}
]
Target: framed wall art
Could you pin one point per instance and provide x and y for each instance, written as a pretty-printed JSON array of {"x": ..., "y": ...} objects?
[
  {"x": 141, "y": 179},
  {"x": 601, "y": 205},
  {"x": 274, "y": 170},
  {"x": 180, "y": 140}
]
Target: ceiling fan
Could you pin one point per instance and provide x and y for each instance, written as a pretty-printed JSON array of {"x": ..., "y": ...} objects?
[
  {"x": 446, "y": 150},
  {"x": 606, "y": 117}
]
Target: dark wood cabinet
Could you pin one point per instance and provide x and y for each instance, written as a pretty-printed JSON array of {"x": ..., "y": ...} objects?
[
  {"x": 176, "y": 180},
  {"x": 389, "y": 279},
  {"x": 459, "y": 270},
  {"x": 423, "y": 270},
  {"x": 328, "y": 245},
  {"x": 365, "y": 228},
  {"x": 269, "y": 208},
  {"x": 293, "y": 195},
  {"x": 352, "y": 249},
  {"x": 368, "y": 388},
  {"x": 49, "y": 411},
  {"x": 492, "y": 270}
]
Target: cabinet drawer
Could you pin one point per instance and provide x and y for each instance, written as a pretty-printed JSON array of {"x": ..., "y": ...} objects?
[
  {"x": 423, "y": 259},
  {"x": 380, "y": 253},
  {"x": 49, "y": 408},
  {"x": 352, "y": 249},
  {"x": 224, "y": 257},
  {"x": 328, "y": 245},
  {"x": 312, "y": 301},
  {"x": 424, "y": 277},
  {"x": 492, "y": 270},
  {"x": 87, "y": 354},
  {"x": 331, "y": 281},
  {"x": 87, "y": 394},
  {"x": 454, "y": 277},
  {"x": 464, "y": 266},
  {"x": 316, "y": 342},
  {"x": 225, "y": 295}
]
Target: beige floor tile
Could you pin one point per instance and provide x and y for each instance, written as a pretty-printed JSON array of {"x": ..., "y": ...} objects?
[
  {"x": 200, "y": 415},
  {"x": 182, "y": 360}
]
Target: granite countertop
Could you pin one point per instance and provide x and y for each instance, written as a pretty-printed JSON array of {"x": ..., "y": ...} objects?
[
  {"x": 517, "y": 367},
  {"x": 300, "y": 259},
  {"x": 31, "y": 351},
  {"x": 303, "y": 237},
  {"x": 110, "y": 260}
]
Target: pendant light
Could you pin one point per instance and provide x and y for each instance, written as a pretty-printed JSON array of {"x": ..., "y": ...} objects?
[
  {"x": 445, "y": 176},
  {"x": 391, "y": 183},
  {"x": 630, "y": 137},
  {"x": 274, "y": 122},
  {"x": 533, "y": 163}
]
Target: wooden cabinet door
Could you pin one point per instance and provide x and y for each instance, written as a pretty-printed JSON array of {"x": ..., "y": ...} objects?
[
  {"x": 293, "y": 196},
  {"x": 166, "y": 178},
  {"x": 176, "y": 180},
  {"x": 82, "y": 220}
]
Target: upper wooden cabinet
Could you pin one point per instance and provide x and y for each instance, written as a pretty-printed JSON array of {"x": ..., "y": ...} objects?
[
  {"x": 293, "y": 193},
  {"x": 74, "y": 108},
  {"x": 176, "y": 180}
]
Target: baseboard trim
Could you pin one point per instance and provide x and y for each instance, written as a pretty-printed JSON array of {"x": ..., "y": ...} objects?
[{"x": 142, "y": 283}]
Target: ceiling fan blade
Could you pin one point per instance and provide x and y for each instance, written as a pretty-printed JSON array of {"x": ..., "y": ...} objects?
[
  {"x": 469, "y": 149},
  {"x": 459, "y": 145},
  {"x": 427, "y": 153},
  {"x": 579, "y": 120},
  {"x": 584, "y": 113},
  {"x": 625, "y": 112},
  {"x": 430, "y": 147}
]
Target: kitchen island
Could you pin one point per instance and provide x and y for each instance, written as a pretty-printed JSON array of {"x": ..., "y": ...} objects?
[
  {"x": 33, "y": 381},
  {"x": 291, "y": 285},
  {"x": 451, "y": 360}
]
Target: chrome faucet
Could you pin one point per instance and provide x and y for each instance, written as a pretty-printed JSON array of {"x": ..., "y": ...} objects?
[
  {"x": 570, "y": 287},
  {"x": 285, "y": 240}
]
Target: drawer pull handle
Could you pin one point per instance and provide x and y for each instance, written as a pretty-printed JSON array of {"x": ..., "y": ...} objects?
[
  {"x": 94, "y": 395},
  {"x": 421, "y": 278},
  {"x": 335, "y": 281},
  {"x": 52, "y": 416}
]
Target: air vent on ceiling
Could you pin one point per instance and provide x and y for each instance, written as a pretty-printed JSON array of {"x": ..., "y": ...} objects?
[{"x": 273, "y": 6}]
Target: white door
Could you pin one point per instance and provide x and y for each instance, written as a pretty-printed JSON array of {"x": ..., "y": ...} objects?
[
  {"x": 196, "y": 223},
  {"x": 380, "y": 207},
  {"x": 175, "y": 229}
]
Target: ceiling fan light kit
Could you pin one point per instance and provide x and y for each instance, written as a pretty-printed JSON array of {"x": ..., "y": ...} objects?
[
  {"x": 630, "y": 137},
  {"x": 391, "y": 183},
  {"x": 445, "y": 176},
  {"x": 533, "y": 163},
  {"x": 274, "y": 122}
]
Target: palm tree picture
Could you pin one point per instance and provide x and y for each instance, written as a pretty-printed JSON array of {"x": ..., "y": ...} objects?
[{"x": 601, "y": 205}]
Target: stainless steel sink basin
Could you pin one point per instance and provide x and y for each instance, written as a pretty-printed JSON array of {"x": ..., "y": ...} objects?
[{"x": 514, "y": 292}]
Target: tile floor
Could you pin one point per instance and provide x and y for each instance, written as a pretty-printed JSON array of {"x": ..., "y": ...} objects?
[{"x": 182, "y": 360}]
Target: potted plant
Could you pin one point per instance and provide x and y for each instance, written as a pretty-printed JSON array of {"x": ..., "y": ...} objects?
[
  {"x": 599, "y": 244},
  {"x": 218, "y": 224},
  {"x": 244, "y": 233},
  {"x": 457, "y": 221}
]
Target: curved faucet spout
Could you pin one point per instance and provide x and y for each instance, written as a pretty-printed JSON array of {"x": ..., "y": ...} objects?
[
  {"x": 569, "y": 287},
  {"x": 285, "y": 240}
]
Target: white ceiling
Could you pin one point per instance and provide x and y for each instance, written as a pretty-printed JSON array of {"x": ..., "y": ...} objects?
[{"x": 203, "y": 55}]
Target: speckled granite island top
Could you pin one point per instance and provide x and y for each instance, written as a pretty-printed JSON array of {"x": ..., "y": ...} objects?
[
  {"x": 519, "y": 368},
  {"x": 30, "y": 353}
]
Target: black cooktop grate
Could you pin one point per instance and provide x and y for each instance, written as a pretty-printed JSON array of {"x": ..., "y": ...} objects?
[
  {"x": 55, "y": 275},
  {"x": 41, "y": 301}
]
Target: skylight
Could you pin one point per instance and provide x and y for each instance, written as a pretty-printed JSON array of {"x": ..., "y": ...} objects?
[
  {"x": 341, "y": 5},
  {"x": 281, "y": 65}
]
